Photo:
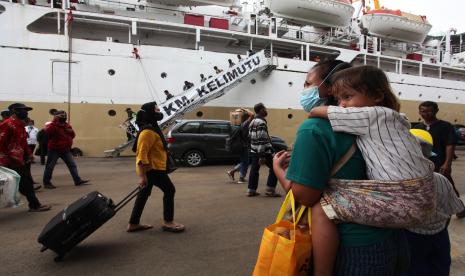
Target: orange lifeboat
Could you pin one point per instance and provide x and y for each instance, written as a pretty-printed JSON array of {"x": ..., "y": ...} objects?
[
  {"x": 325, "y": 13},
  {"x": 397, "y": 25}
]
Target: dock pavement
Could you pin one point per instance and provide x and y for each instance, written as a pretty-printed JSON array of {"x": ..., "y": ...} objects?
[{"x": 223, "y": 226}]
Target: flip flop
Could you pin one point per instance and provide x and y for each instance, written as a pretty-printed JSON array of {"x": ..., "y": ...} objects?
[
  {"x": 41, "y": 208},
  {"x": 174, "y": 229},
  {"x": 140, "y": 227}
]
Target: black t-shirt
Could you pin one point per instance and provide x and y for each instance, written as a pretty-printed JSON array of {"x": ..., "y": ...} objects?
[{"x": 443, "y": 134}]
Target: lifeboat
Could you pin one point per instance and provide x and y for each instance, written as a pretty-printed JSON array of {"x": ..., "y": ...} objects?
[
  {"x": 397, "y": 25},
  {"x": 320, "y": 13},
  {"x": 224, "y": 3}
]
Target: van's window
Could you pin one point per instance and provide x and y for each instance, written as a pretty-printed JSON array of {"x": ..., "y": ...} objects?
[
  {"x": 215, "y": 128},
  {"x": 192, "y": 127}
]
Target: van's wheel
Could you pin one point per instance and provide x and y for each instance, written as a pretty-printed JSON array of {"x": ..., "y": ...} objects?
[{"x": 193, "y": 158}]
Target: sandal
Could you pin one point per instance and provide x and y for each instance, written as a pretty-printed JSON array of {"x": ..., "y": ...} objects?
[
  {"x": 41, "y": 208},
  {"x": 174, "y": 228},
  {"x": 139, "y": 227},
  {"x": 272, "y": 194}
]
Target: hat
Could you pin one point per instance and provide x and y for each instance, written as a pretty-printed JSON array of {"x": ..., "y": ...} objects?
[
  {"x": 60, "y": 113},
  {"x": 15, "y": 106}
]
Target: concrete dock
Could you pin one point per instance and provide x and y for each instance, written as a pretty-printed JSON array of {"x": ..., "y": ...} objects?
[{"x": 224, "y": 227}]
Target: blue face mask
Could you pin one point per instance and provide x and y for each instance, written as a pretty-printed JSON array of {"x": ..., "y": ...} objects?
[{"x": 310, "y": 98}]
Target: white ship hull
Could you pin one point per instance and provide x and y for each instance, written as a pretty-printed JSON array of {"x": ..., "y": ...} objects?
[{"x": 35, "y": 71}]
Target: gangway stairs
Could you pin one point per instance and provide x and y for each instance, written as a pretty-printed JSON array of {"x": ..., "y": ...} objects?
[{"x": 212, "y": 88}]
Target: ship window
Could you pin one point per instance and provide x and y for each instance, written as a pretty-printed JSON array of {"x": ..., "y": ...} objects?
[
  {"x": 111, "y": 112},
  {"x": 199, "y": 114},
  {"x": 253, "y": 81},
  {"x": 289, "y": 116},
  {"x": 163, "y": 75},
  {"x": 2, "y": 9},
  {"x": 111, "y": 72}
]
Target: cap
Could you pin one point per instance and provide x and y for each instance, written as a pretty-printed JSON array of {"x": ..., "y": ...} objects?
[
  {"x": 15, "y": 106},
  {"x": 60, "y": 113},
  {"x": 422, "y": 135}
]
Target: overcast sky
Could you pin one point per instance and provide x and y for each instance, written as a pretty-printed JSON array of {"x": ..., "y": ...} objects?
[{"x": 442, "y": 14}]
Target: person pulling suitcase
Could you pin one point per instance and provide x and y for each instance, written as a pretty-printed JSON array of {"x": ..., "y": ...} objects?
[{"x": 151, "y": 166}]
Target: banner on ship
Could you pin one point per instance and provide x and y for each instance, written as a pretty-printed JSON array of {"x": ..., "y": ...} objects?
[{"x": 211, "y": 89}]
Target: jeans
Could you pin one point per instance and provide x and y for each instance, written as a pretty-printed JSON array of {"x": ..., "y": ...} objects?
[
  {"x": 390, "y": 257},
  {"x": 25, "y": 186},
  {"x": 52, "y": 158},
  {"x": 430, "y": 254},
  {"x": 254, "y": 173},
  {"x": 244, "y": 165},
  {"x": 162, "y": 181}
]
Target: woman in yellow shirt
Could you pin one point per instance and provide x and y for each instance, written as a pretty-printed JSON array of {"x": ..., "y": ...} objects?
[{"x": 151, "y": 156}]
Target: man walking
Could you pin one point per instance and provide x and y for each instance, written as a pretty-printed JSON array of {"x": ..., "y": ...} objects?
[
  {"x": 261, "y": 153},
  {"x": 60, "y": 139},
  {"x": 31, "y": 131},
  {"x": 16, "y": 155},
  {"x": 444, "y": 141}
]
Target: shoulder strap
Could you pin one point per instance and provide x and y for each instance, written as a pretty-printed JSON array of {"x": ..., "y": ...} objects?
[{"x": 341, "y": 162}]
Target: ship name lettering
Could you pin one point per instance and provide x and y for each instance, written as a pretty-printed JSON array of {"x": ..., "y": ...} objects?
[
  {"x": 201, "y": 90},
  {"x": 225, "y": 78},
  {"x": 232, "y": 75},
  {"x": 169, "y": 109},
  {"x": 219, "y": 83},
  {"x": 181, "y": 103},
  {"x": 211, "y": 86},
  {"x": 248, "y": 64},
  {"x": 243, "y": 69},
  {"x": 256, "y": 60}
]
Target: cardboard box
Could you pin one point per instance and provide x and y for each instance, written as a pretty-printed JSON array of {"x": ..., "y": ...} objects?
[
  {"x": 192, "y": 19},
  {"x": 236, "y": 117},
  {"x": 219, "y": 23}
]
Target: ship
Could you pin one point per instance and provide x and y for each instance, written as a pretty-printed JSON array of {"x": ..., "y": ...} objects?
[{"x": 96, "y": 58}]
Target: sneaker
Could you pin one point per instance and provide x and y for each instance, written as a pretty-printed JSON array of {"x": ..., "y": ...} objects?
[
  {"x": 252, "y": 193},
  {"x": 49, "y": 186},
  {"x": 242, "y": 180},
  {"x": 41, "y": 208},
  {"x": 231, "y": 175},
  {"x": 272, "y": 194},
  {"x": 82, "y": 182},
  {"x": 36, "y": 186}
]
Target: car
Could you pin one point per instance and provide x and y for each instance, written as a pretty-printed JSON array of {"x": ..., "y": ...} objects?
[{"x": 196, "y": 141}]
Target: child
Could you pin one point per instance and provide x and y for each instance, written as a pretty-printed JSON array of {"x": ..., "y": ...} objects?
[{"x": 400, "y": 191}]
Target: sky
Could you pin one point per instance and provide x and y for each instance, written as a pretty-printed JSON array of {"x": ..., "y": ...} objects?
[{"x": 442, "y": 14}]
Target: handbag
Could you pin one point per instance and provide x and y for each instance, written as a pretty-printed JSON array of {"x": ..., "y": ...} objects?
[
  {"x": 170, "y": 163},
  {"x": 286, "y": 247}
]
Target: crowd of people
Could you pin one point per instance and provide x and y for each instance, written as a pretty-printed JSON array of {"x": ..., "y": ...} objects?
[{"x": 18, "y": 141}]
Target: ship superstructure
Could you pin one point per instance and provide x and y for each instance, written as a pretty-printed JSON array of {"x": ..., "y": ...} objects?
[{"x": 96, "y": 58}]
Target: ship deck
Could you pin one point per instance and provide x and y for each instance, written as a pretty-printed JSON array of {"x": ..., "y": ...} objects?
[{"x": 224, "y": 227}]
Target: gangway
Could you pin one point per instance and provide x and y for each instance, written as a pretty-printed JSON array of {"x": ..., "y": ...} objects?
[{"x": 212, "y": 88}]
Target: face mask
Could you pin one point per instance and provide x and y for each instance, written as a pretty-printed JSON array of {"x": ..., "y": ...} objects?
[
  {"x": 310, "y": 98},
  {"x": 21, "y": 114}
]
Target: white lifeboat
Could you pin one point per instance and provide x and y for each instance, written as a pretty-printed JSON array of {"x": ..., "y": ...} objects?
[
  {"x": 320, "y": 13},
  {"x": 224, "y": 3},
  {"x": 397, "y": 25}
]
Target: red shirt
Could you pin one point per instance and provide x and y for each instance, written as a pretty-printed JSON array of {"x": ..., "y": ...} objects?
[
  {"x": 60, "y": 136},
  {"x": 13, "y": 143}
]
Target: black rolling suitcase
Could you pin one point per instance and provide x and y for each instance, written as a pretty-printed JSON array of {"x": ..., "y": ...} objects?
[{"x": 77, "y": 221}]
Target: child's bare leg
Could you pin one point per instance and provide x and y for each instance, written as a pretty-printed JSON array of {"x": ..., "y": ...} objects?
[{"x": 325, "y": 240}]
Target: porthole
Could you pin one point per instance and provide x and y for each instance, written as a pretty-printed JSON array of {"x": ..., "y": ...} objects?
[
  {"x": 52, "y": 111},
  {"x": 285, "y": 66},
  {"x": 163, "y": 75},
  {"x": 439, "y": 96},
  {"x": 456, "y": 98},
  {"x": 290, "y": 84},
  {"x": 199, "y": 114},
  {"x": 400, "y": 93},
  {"x": 290, "y": 116},
  {"x": 253, "y": 81},
  {"x": 111, "y": 112},
  {"x": 420, "y": 95},
  {"x": 111, "y": 72}
]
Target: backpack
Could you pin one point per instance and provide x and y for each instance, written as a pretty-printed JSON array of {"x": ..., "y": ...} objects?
[{"x": 235, "y": 140}]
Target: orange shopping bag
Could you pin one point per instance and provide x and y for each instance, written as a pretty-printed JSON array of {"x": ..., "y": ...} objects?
[{"x": 286, "y": 247}]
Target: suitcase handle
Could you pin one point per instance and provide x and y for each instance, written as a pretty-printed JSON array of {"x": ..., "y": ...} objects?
[{"x": 127, "y": 199}]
